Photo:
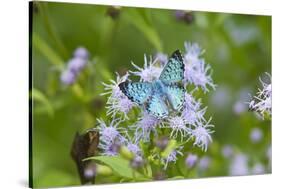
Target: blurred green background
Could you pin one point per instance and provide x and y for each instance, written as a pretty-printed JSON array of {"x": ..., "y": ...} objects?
[{"x": 238, "y": 48}]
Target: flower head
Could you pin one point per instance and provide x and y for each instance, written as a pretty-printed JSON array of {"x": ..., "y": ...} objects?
[
  {"x": 191, "y": 160},
  {"x": 111, "y": 149},
  {"x": 204, "y": 163},
  {"x": 81, "y": 52},
  {"x": 68, "y": 77},
  {"x": 119, "y": 105},
  {"x": 76, "y": 64},
  {"x": 133, "y": 146},
  {"x": 110, "y": 137},
  {"x": 113, "y": 89},
  {"x": 202, "y": 134},
  {"x": 178, "y": 126},
  {"x": 162, "y": 142},
  {"x": 149, "y": 72},
  {"x": 117, "y": 102},
  {"x": 239, "y": 107},
  {"x": 144, "y": 126},
  {"x": 172, "y": 157},
  {"x": 227, "y": 151},
  {"x": 262, "y": 102},
  {"x": 239, "y": 165},
  {"x": 256, "y": 135},
  {"x": 137, "y": 162},
  {"x": 162, "y": 58},
  {"x": 185, "y": 16},
  {"x": 192, "y": 112},
  {"x": 196, "y": 72}
]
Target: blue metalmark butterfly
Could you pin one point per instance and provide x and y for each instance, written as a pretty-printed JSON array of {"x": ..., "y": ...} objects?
[{"x": 162, "y": 93}]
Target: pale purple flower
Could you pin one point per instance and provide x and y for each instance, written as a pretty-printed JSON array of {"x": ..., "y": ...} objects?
[
  {"x": 113, "y": 89},
  {"x": 179, "y": 14},
  {"x": 204, "y": 163},
  {"x": 221, "y": 97},
  {"x": 192, "y": 112},
  {"x": 162, "y": 58},
  {"x": 134, "y": 148},
  {"x": 178, "y": 126},
  {"x": 227, "y": 151},
  {"x": 185, "y": 16},
  {"x": 81, "y": 52},
  {"x": 194, "y": 116},
  {"x": 202, "y": 134},
  {"x": 239, "y": 107},
  {"x": 119, "y": 105},
  {"x": 117, "y": 102},
  {"x": 144, "y": 126},
  {"x": 256, "y": 135},
  {"x": 258, "y": 169},
  {"x": 262, "y": 102},
  {"x": 162, "y": 142},
  {"x": 68, "y": 77},
  {"x": 172, "y": 157},
  {"x": 197, "y": 72},
  {"x": 149, "y": 72},
  {"x": 191, "y": 160},
  {"x": 137, "y": 162},
  {"x": 76, "y": 64},
  {"x": 109, "y": 132},
  {"x": 190, "y": 102},
  {"x": 110, "y": 137},
  {"x": 239, "y": 165},
  {"x": 110, "y": 149}
]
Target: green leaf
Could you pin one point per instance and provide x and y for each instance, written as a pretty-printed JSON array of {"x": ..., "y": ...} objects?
[
  {"x": 120, "y": 166},
  {"x": 40, "y": 97},
  {"x": 142, "y": 23},
  {"x": 149, "y": 170},
  {"x": 46, "y": 50}
]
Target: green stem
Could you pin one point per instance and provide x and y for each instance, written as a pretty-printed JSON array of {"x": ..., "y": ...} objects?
[
  {"x": 51, "y": 30},
  {"x": 46, "y": 50}
]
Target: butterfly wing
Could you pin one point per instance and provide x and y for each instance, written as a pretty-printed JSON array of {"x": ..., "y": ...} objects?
[
  {"x": 157, "y": 107},
  {"x": 175, "y": 96},
  {"x": 137, "y": 92},
  {"x": 174, "y": 70}
]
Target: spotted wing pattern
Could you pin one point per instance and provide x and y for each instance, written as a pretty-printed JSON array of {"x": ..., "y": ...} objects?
[
  {"x": 174, "y": 70},
  {"x": 175, "y": 96},
  {"x": 137, "y": 92},
  {"x": 157, "y": 107}
]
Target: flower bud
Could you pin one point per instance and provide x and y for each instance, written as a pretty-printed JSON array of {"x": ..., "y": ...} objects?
[
  {"x": 103, "y": 170},
  {"x": 81, "y": 52},
  {"x": 162, "y": 142},
  {"x": 191, "y": 160},
  {"x": 126, "y": 153},
  {"x": 68, "y": 77},
  {"x": 137, "y": 162}
]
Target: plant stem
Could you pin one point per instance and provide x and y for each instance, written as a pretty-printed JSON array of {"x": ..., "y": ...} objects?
[{"x": 51, "y": 31}]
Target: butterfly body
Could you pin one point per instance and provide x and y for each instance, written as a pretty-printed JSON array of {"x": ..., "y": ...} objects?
[
  {"x": 162, "y": 93},
  {"x": 158, "y": 87}
]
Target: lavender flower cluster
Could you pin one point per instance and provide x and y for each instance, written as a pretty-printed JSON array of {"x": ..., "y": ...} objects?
[
  {"x": 187, "y": 125},
  {"x": 261, "y": 103},
  {"x": 74, "y": 66}
]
